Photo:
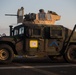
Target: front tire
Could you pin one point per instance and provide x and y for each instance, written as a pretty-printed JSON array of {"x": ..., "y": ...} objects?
[
  {"x": 70, "y": 54},
  {"x": 6, "y": 53}
]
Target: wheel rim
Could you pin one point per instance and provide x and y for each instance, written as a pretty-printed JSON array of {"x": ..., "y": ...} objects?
[{"x": 4, "y": 54}]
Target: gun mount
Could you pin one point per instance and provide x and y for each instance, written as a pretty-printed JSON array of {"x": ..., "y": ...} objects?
[{"x": 42, "y": 17}]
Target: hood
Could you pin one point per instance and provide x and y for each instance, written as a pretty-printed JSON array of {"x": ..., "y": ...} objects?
[{"x": 7, "y": 38}]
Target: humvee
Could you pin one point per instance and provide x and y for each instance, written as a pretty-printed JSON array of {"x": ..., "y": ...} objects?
[{"x": 38, "y": 36}]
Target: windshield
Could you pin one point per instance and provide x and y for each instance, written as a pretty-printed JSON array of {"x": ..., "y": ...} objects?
[
  {"x": 18, "y": 31},
  {"x": 15, "y": 32},
  {"x": 21, "y": 30}
]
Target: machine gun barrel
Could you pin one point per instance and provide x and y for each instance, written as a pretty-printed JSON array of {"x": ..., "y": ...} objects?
[{"x": 10, "y": 15}]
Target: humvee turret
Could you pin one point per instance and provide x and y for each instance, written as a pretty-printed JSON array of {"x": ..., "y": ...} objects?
[
  {"x": 38, "y": 36},
  {"x": 48, "y": 18},
  {"x": 42, "y": 17}
]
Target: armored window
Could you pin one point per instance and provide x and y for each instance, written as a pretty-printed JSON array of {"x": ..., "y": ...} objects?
[
  {"x": 42, "y": 16},
  {"x": 56, "y": 32},
  {"x": 37, "y": 32},
  {"x": 21, "y": 30},
  {"x": 48, "y": 16},
  {"x": 15, "y": 32}
]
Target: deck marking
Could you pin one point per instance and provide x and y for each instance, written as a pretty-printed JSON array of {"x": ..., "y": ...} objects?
[{"x": 29, "y": 67}]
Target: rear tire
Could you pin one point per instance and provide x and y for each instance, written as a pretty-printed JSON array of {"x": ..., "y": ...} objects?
[
  {"x": 6, "y": 53},
  {"x": 70, "y": 54}
]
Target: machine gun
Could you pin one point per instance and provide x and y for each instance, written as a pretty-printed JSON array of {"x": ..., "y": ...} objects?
[{"x": 20, "y": 15}]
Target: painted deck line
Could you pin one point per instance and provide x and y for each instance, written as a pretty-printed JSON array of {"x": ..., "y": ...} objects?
[{"x": 29, "y": 67}]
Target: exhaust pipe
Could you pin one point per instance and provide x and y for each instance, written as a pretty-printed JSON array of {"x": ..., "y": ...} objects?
[{"x": 11, "y": 30}]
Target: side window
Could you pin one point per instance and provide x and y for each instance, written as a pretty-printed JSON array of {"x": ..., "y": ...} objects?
[
  {"x": 57, "y": 32},
  {"x": 28, "y": 32},
  {"x": 21, "y": 30},
  {"x": 33, "y": 32},
  {"x": 36, "y": 32},
  {"x": 41, "y": 16}
]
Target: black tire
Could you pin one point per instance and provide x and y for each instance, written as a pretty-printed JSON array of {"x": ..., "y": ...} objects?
[
  {"x": 70, "y": 54},
  {"x": 6, "y": 53}
]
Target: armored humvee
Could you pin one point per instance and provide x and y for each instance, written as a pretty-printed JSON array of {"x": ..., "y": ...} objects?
[{"x": 38, "y": 36}]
